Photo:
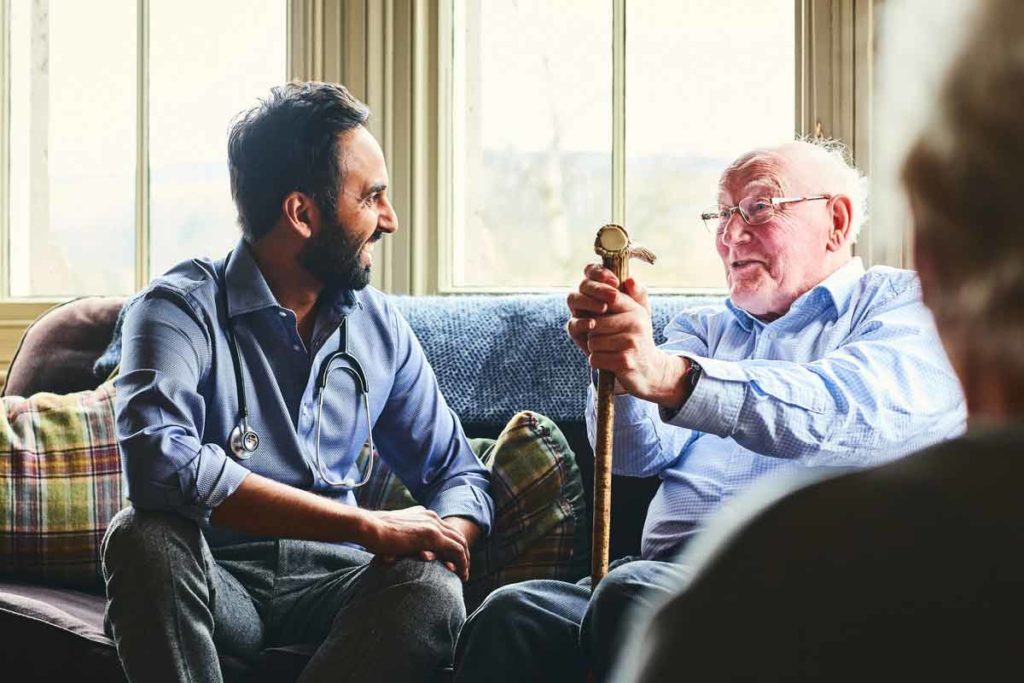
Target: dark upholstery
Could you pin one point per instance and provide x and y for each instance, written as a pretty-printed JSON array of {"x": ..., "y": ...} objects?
[
  {"x": 56, "y": 634},
  {"x": 58, "y": 350}
]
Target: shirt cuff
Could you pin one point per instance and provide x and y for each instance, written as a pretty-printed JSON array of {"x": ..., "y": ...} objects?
[
  {"x": 218, "y": 477},
  {"x": 465, "y": 501},
  {"x": 714, "y": 406}
]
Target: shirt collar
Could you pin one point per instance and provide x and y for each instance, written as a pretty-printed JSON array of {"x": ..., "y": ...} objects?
[
  {"x": 840, "y": 285},
  {"x": 248, "y": 290},
  {"x": 836, "y": 291}
]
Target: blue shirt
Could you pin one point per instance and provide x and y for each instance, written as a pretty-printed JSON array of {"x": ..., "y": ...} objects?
[
  {"x": 177, "y": 399},
  {"x": 853, "y": 374}
]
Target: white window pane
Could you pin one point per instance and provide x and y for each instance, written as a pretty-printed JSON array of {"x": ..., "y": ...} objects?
[
  {"x": 532, "y": 140},
  {"x": 208, "y": 61},
  {"x": 706, "y": 81},
  {"x": 73, "y": 141}
]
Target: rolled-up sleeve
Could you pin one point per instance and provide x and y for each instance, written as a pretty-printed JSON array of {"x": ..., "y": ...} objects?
[
  {"x": 422, "y": 440},
  {"x": 160, "y": 413}
]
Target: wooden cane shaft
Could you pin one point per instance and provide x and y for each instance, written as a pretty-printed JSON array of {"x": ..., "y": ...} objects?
[
  {"x": 601, "y": 539},
  {"x": 602, "y": 476}
]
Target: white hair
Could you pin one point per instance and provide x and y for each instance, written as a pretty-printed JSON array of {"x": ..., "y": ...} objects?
[
  {"x": 841, "y": 177},
  {"x": 831, "y": 162}
]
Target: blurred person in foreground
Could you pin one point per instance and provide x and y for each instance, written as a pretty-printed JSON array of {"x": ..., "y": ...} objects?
[
  {"x": 913, "y": 570},
  {"x": 812, "y": 362}
]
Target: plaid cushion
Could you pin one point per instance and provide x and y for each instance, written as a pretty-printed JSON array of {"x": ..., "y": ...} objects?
[
  {"x": 60, "y": 485},
  {"x": 541, "y": 528}
]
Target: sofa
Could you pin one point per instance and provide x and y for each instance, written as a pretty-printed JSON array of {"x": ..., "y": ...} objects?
[{"x": 493, "y": 356}]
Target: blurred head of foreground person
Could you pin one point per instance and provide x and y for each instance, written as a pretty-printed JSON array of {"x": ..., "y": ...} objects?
[
  {"x": 913, "y": 570},
  {"x": 964, "y": 178}
]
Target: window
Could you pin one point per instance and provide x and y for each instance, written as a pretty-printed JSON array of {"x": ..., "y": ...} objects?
[
  {"x": 569, "y": 115},
  {"x": 115, "y": 145},
  {"x": 72, "y": 141}
]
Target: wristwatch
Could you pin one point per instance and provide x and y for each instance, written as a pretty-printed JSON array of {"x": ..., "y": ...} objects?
[
  {"x": 690, "y": 379},
  {"x": 693, "y": 375}
]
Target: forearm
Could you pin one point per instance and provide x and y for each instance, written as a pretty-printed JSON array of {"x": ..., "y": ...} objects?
[
  {"x": 835, "y": 411},
  {"x": 470, "y": 529},
  {"x": 263, "y": 507}
]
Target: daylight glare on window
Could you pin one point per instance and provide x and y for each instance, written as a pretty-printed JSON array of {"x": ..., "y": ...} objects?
[
  {"x": 194, "y": 94},
  {"x": 706, "y": 80},
  {"x": 72, "y": 143},
  {"x": 75, "y": 145}
]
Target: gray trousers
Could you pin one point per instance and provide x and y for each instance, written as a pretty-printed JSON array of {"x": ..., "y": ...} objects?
[
  {"x": 557, "y": 632},
  {"x": 173, "y": 605}
]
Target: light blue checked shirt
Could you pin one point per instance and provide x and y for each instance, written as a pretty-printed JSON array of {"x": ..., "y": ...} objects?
[
  {"x": 853, "y": 375},
  {"x": 177, "y": 398}
]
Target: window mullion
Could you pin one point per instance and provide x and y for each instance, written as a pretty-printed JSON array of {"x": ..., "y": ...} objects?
[
  {"x": 619, "y": 111},
  {"x": 142, "y": 147}
]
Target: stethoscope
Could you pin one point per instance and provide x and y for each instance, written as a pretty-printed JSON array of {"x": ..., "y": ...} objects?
[{"x": 243, "y": 440}]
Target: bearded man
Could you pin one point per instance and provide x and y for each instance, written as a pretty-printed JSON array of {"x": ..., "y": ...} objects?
[{"x": 247, "y": 390}]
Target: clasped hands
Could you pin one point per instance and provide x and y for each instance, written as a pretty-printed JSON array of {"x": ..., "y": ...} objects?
[{"x": 614, "y": 329}]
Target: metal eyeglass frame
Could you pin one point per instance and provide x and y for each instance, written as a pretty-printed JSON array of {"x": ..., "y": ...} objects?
[{"x": 724, "y": 215}]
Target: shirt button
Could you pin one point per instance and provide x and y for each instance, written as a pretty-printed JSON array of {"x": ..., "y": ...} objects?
[
  {"x": 296, "y": 347},
  {"x": 282, "y": 314}
]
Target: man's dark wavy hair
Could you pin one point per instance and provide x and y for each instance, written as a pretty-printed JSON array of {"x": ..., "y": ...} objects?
[{"x": 287, "y": 143}]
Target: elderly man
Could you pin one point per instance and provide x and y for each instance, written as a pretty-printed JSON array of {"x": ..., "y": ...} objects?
[{"x": 812, "y": 362}]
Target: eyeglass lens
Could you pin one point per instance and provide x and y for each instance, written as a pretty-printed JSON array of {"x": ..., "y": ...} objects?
[{"x": 753, "y": 210}]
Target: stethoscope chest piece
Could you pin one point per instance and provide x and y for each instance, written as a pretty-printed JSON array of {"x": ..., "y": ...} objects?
[{"x": 244, "y": 442}]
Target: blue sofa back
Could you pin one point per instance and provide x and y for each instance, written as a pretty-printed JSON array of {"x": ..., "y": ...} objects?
[{"x": 495, "y": 355}]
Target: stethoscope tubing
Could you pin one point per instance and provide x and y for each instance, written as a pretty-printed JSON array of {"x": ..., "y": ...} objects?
[{"x": 244, "y": 441}]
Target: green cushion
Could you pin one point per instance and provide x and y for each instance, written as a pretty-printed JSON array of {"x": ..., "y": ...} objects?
[{"x": 541, "y": 527}]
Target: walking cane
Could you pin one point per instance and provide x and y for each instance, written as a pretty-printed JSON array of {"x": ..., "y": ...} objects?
[{"x": 613, "y": 246}]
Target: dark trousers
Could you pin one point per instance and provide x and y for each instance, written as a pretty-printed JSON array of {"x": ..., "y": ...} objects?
[{"x": 556, "y": 631}]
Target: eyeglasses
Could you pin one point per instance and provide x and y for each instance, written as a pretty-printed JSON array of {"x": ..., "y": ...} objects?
[{"x": 753, "y": 210}]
